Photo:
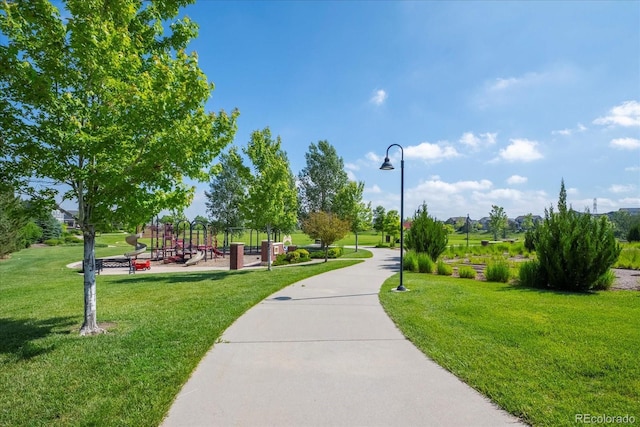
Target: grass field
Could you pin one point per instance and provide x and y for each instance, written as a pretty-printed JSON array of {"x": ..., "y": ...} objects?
[
  {"x": 543, "y": 356},
  {"x": 159, "y": 327}
]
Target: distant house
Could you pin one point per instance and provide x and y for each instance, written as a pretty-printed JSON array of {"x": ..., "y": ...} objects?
[
  {"x": 68, "y": 218},
  {"x": 537, "y": 219}
]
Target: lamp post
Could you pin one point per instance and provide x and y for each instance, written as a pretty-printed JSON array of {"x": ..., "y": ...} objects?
[
  {"x": 467, "y": 230},
  {"x": 386, "y": 166}
]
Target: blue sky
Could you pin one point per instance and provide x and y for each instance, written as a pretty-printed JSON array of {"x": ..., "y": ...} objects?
[{"x": 492, "y": 102}]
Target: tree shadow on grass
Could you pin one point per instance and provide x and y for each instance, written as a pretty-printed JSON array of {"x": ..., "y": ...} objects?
[
  {"x": 18, "y": 336},
  {"x": 546, "y": 290}
]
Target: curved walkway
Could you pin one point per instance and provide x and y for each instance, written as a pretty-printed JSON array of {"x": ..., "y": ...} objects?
[{"x": 322, "y": 352}]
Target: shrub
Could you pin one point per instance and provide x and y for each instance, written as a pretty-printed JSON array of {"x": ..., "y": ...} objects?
[
  {"x": 71, "y": 239},
  {"x": 281, "y": 259},
  {"x": 531, "y": 275},
  {"x": 101, "y": 245},
  {"x": 52, "y": 242},
  {"x": 410, "y": 261},
  {"x": 292, "y": 257},
  {"x": 634, "y": 234},
  {"x": 304, "y": 254},
  {"x": 530, "y": 239},
  {"x": 425, "y": 264},
  {"x": 335, "y": 252},
  {"x": 426, "y": 234},
  {"x": 332, "y": 253},
  {"x": 444, "y": 269},
  {"x": 575, "y": 250},
  {"x": 629, "y": 258},
  {"x": 466, "y": 272},
  {"x": 605, "y": 281},
  {"x": 497, "y": 271}
]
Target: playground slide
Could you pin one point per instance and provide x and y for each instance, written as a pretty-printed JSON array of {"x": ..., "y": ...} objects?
[
  {"x": 194, "y": 260},
  {"x": 132, "y": 239}
]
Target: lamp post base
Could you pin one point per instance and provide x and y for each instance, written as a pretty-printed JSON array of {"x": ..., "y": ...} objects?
[{"x": 400, "y": 289}]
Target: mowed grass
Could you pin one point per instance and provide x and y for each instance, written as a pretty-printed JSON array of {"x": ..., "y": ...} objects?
[
  {"x": 543, "y": 356},
  {"x": 159, "y": 327}
]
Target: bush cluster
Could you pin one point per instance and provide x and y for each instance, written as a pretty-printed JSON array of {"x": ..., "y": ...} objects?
[
  {"x": 444, "y": 269},
  {"x": 293, "y": 257},
  {"x": 466, "y": 272},
  {"x": 425, "y": 263},
  {"x": 332, "y": 253},
  {"x": 497, "y": 271},
  {"x": 575, "y": 250}
]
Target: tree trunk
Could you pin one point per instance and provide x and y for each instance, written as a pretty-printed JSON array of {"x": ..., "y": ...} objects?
[
  {"x": 90, "y": 325},
  {"x": 326, "y": 252},
  {"x": 268, "y": 247},
  {"x": 356, "y": 233}
]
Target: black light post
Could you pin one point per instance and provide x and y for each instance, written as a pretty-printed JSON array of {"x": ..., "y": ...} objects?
[
  {"x": 467, "y": 230},
  {"x": 386, "y": 166}
]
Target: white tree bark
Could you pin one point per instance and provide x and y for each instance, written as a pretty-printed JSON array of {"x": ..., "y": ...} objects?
[{"x": 90, "y": 324}]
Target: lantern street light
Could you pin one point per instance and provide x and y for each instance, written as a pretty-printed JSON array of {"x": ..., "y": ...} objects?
[{"x": 385, "y": 167}]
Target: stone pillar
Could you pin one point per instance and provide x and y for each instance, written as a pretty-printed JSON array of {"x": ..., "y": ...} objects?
[
  {"x": 237, "y": 256},
  {"x": 276, "y": 249}
]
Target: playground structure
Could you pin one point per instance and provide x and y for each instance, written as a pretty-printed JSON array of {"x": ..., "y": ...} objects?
[
  {"x": 189, "y": 242},
  {"x": 134, "y": 263},
  {"x": 183, "y": 242}
]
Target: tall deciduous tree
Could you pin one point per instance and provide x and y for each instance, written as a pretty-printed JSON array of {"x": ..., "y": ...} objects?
[
  {"x": 321, "y": 179},
  {"x": 107, "y": 101},
  {"x": 227, "y": 191},
  {"x": 327, "y": 227},
  {"x": 13, "y": 217},
  {"x": 272, "y": 201},
  {"x": 392, "y": 225},
  {"x": 348, "y": 205},
  {"x": 379, "y": 215},
  {"x": 497, "y": 220}
]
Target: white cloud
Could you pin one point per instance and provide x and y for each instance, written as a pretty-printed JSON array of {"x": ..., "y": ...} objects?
[
  {"x": 375, "y": 189},
  {"x": 626, "y": 114},
  {"x": 617, "y": 188},
  {"x": 430, "y": 152},
  {"x": 475, "y": 142},
  {"x": 568, "y": 132},
  {"x": 625, "y": 143},
  {"x": 504, "y": 194},
  {"x": 351, "y": 176},
  {"x": 520, "y": 150},
  {"x": 379, "y": 97},
  {"x": 632, "y": 169},
  {"x": 572, "y": 191},
  {"x": 352, "y": 166},
  {"x": 502, "y": 84},
  {"x": 628, "y": 202},
  {"x": 437, "y": 185},
  {"x": 373, "y": 157},
  {"x": 516, "y": 179}
]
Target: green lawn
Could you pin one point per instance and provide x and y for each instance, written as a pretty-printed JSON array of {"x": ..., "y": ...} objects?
[
  {"x": 543, "y": 356},
  {"x": 160, "y": 326}
]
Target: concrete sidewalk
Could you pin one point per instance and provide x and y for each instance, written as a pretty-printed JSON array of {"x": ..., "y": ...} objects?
[{"x": 323, "y": 352}]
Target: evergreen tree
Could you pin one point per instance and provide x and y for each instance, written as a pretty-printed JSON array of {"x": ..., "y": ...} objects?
[
  {"x": 426, "y": 235},
  {"x": 321, "y": 179},
  {"x": 574, "y": 249}
]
